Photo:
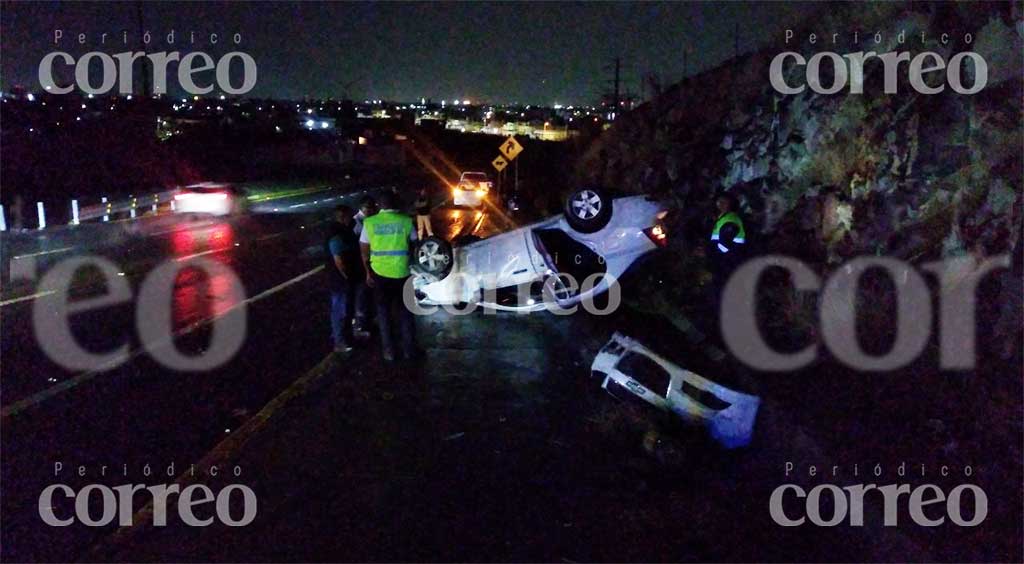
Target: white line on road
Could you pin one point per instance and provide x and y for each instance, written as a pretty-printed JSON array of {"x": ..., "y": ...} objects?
[
  {"x": 41, "y": 396},
  {"x": 272, "y": 235},
  {"x": 41, "y": 253},
  {"x": 26, "y": 298}
]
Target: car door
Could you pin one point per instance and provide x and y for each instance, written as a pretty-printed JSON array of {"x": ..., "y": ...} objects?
[{"x": 500, "y": 261}]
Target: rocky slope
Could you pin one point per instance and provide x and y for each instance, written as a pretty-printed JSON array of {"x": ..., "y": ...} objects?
[{"x": 829, "y": 177}]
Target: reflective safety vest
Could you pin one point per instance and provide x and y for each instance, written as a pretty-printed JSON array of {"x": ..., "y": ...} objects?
[
  {"x": 389, "y": 232},
  {"x": 741, "y": 235}
]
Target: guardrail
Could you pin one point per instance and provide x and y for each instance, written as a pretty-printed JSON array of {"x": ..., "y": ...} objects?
[{"x": 105, "y": 210}]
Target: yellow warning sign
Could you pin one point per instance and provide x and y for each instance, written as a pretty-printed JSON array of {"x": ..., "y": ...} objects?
[
  {"x": 499, "y": 163},
  {"x": 510, "y": 148}
]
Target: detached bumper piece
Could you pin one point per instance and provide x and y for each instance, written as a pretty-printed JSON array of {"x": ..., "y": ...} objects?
[{"x": 631, "y": 369}]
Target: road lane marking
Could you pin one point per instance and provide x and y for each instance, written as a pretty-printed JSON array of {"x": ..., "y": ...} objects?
[
  {"x": 225, "y": 451},
  {"x": 479, "y": 222},
  {"x": 26, "y": 298},
  {"x": 272, "y": 235},
  {"x": 43, "y": 395},
  {"x": 41, "y": 253}
]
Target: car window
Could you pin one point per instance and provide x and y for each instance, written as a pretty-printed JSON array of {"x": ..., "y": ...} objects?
[
  {"x": 206, "y": 189},
  {"x": 567, "y": 255},
  {"x": 704, "y": 397},
  {"x": 643, "y": 369},
  {"x": 475, "y": 177}
]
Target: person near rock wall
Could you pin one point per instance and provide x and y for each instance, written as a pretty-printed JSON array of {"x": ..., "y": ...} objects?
[{"x": 726, "y": 244}]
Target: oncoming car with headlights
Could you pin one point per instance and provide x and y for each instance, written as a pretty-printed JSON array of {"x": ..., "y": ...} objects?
[
  {"x": 562, "y": 260},
  {"x": 472, "y": 189}
]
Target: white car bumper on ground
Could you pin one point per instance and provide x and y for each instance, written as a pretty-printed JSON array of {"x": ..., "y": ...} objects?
[{"x": 727, "y": 414}]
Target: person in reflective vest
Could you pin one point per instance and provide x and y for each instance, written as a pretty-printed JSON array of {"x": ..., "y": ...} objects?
[
  {"x": 386, "y": 242},
  {"x": 727, "y": 243},
  {"x": 728, "y": 234}
]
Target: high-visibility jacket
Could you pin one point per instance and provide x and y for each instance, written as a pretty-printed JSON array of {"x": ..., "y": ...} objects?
[
  {"x": 741, "y": 234},
  {"x": 388, "y": 232}
]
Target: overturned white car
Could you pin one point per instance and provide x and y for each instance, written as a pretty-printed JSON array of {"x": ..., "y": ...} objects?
[
  {"x": 630, "y": 370},
  {"x": 557, "y": 262}
]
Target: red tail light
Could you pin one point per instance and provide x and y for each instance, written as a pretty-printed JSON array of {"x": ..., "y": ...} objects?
[{"x": 657, "y": 235}]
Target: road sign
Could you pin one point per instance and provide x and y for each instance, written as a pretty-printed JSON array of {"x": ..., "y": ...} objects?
[
  {"x": 499, "y": 163},
  {"x": 510, "y": 148}
]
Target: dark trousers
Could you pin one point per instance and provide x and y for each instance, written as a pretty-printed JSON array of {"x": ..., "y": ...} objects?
[
  {"x": 341, "y": 314},
  {"x": 362, "y": 303},
  {"x": 722, "y": 267},
  {"x": 391, "y": 311}
]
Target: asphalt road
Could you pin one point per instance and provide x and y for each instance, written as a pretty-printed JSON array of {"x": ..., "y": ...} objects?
[
  {"x": 134, "y": 411},
  {"x": 139, "y": 412},
  {"x": 500, "y": 439}
]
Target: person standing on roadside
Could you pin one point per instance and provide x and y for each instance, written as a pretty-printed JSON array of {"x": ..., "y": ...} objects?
[
  {"x": 367, "y": 208},
  {"x": 361, "y": 326},
  {"x": 345, "y": 276},
  {"x": 423, "y": 214},
  {"x": 386, "y": 246},
  {"x": 726, "y": 245}
]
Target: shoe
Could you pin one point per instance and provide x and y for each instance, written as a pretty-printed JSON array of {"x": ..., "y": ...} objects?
[
  {"x": 342, "y": 349},
  {"x": 359, "y": 330}
]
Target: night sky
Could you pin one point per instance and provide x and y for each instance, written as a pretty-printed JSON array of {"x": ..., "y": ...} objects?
[{"x": 539, "y": 53}]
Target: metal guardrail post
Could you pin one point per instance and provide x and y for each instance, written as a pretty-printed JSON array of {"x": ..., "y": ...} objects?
[
  {"x": 156, "y": 201},
  {"x": 3, "y": 219},
  {"x": 42, "y": 215},
  {"x": 132, "y": 210},
  {"x": 106, "y": 211},
  {"x": 74, "y": 212}
]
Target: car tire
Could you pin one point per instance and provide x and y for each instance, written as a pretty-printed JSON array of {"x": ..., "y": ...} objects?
[
  {"x": 433, "y": 256},
  {"x": 588, "y": 209}
]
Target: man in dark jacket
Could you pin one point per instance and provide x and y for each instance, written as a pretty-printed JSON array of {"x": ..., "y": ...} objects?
[
  {"x": 345, "y": 276},
  {"x": 423, "y": 229}
]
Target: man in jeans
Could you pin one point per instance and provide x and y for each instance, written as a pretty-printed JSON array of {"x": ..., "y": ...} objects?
[
  {"x": 345, "y": 275},
  {"x": 386, "y": 245}
]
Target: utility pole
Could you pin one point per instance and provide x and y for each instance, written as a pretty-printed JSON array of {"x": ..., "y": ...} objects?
[{"x": 615, "y": 96}]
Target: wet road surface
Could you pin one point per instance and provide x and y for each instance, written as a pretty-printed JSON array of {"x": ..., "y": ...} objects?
[
  {"x": 133, "y": 411},
  {"x": 140, "y": 412},
  {"x": 499, "y": 445}
]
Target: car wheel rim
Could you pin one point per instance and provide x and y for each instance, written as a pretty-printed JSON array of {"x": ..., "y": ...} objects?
[
  {"x": 586, "y": 204},
  {"x": 431, "y": 257}
]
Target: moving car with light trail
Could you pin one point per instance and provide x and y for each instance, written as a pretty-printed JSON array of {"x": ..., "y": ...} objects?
[
  {"x": 210, "y": 198},
  {"x": 631, "y": 371},
  {"x": 562, "y": 260},
  {"x": 472, "y": 189}
]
